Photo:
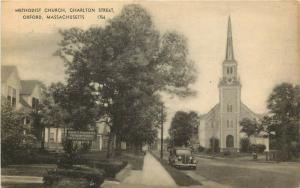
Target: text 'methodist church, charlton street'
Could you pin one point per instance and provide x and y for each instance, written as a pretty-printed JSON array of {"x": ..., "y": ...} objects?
[{"x": 222, "y": 121}]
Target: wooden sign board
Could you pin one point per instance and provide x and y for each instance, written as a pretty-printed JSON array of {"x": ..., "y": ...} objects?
[{"x": 81, "y": 135}]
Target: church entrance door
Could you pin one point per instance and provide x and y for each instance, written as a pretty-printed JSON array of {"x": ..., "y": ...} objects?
[{"x": 229, "y": 141}]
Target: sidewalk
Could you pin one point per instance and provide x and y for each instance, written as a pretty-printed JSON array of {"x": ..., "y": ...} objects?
[
  {"x": 152, "y": 175},
  {"x": 21, "y": 179}
]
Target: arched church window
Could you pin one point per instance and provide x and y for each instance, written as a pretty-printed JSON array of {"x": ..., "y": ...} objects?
[{"x": 229, "y": 141}]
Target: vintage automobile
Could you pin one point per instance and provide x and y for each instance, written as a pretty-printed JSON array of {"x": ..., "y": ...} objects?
[{"x": 182, "y": 158}]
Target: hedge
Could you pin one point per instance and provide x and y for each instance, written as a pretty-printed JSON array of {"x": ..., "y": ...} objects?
[{"x": 93, "y": 177}]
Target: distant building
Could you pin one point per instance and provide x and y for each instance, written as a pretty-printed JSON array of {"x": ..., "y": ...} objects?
[
  {"x": 222, "y": 121},
  {"x": 22, "y": 95},
  {"x": 10, "y": 85}
]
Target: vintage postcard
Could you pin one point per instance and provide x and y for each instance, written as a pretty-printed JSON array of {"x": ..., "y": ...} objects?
[{"x": 150, "y": 94}]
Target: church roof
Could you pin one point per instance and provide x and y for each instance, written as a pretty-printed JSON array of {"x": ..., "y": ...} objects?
[
  {"x": 248, "y": 110},
  {"x": 212, "y": 111}
]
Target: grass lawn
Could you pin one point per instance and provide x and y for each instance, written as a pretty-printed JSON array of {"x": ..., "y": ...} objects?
[
  {"x": 246, "y": 178},
  {"x": 179, "y": 177},
  {"x": 26, "y": 170},
  {"x": 136, "y": 160}
]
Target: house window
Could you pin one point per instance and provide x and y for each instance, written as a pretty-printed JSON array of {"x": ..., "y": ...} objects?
[
  {"x": 227, "y": 123},
  {"x": 51, "y": 139},
  {"x": 35, "y": 103},
  {"x": 12, "y": 96},
  {"x": 26, "y": 120}
]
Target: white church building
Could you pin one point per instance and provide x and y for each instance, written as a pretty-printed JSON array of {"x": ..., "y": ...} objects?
[{"x": 222, "y": 122}]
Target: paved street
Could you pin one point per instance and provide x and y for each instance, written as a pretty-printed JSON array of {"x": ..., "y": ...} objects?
[
  {"x": 240, "y": 173},
  {"x": 245, "y": 173}
]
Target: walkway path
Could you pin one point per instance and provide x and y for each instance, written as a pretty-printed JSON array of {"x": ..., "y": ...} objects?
[
  {"x": 152, "y": 175},
  {"x": 21, "y": 179}
]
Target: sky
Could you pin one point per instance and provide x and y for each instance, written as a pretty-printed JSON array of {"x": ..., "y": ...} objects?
[{"x": 265, "y": 42}]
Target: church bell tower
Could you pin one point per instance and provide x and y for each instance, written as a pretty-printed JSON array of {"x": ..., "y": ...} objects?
[{"x": 230, "y": 99}]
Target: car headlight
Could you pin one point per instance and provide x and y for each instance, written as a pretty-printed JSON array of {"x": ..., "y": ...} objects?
[{"x": 179, "y": 158}]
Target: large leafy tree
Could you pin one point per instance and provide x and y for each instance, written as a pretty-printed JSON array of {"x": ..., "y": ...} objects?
[
  {"x": 250, "y": 126},
  {"x": 140, "y": 126},
  {"x": 284, "y": 119},
  {"x": 182, "y": 127},
  {"x": 127, "y": 61}
]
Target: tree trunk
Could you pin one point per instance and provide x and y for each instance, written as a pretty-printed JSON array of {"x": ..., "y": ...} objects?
[
  {"x": 43, "y": 139},
  {"x": 109, "y": 143},
  {"x": 118, "y": 145}
]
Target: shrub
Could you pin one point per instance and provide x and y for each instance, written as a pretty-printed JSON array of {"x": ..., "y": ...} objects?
[
  {"x": 74, "y": 183},
  {"x": 245, "y": 145},
  {"x": 226, "y": 153},
  {"x": 259, "y": 148},
  {"x": 295, "y": 149},
  {"x": 93, "y": 177},
  {"x": 200, "y": 149}
]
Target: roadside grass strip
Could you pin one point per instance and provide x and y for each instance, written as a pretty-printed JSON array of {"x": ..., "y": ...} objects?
[{"x": 180, "y": 178}]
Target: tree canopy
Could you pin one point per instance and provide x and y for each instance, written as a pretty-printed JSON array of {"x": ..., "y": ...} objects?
[
  {"x": 284, "y": 120},
  {"x": 250, "y": 126},
  {"x": 182, "y": 127},
  {"x": 121, "y": 69}
]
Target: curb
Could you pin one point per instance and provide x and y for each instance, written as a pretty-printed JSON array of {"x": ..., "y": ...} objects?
[{"x": 120, "y": 176}]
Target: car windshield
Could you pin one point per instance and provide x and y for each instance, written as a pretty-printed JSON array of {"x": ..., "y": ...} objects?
[{"x": 183, "y": 152}]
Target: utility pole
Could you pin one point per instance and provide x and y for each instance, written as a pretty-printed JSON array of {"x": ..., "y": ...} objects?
[{"x": 162, "y": 132}]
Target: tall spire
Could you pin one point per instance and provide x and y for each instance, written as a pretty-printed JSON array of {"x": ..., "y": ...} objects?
[{"x": 229, "y": 47}]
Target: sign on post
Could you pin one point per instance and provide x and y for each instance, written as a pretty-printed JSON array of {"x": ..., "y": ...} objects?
[{"x": 81, "y": 135}]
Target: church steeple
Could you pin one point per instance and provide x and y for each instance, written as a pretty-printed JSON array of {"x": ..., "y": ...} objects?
[
  {"x": 229, "y": 47},
  {"x": 229, "y": 65}
]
